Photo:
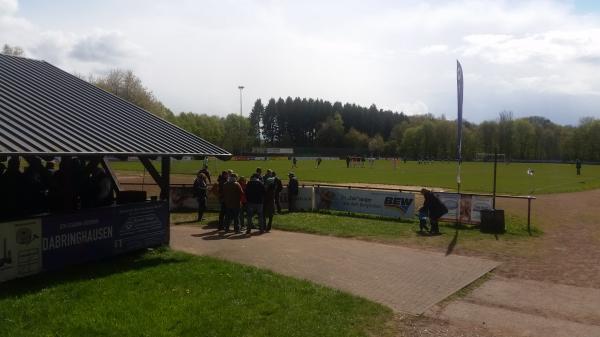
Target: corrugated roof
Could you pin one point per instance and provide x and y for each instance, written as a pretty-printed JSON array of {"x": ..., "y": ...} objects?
[{"x": 47, "y": 111}]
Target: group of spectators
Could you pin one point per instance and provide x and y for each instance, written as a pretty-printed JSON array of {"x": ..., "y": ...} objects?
[
  {"x": 241, "y": 200},
  {"x": 40, "y": 188}
]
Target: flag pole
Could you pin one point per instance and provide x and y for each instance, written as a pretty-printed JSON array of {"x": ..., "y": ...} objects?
[{"x": 459, "y": 94}]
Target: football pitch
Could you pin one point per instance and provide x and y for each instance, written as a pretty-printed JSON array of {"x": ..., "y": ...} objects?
[{"x": 476, "y": 176}]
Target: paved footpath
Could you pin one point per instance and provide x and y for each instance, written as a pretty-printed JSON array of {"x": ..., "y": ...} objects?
[
  {"x": 406, "y": 280},
  {"x": 527, "y": 308}
]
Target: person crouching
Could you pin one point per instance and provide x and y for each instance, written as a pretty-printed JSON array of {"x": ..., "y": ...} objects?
[{"x": 433, "y": 209}]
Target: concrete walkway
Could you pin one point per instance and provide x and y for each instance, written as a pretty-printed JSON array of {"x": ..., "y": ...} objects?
[
  {"x": 404, "y": 279},
  {"x": 527, "y": 308}
]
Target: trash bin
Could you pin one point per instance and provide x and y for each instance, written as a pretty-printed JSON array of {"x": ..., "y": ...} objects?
[{"x": 492, "y": 221}]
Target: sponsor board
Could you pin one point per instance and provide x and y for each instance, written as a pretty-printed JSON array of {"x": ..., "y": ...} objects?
[
  {"x": 54, "y": 241},
  {"x": 383, "y": 203},
  {"x": 20, "y": 248},
  {"x": 468, "y": 205},
  {"x": 304, "y": 200}
]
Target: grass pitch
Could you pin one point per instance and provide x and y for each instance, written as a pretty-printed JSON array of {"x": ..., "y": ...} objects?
[
  {"x": 476, "y": 176},
  {"x": 163, "y": 293}
]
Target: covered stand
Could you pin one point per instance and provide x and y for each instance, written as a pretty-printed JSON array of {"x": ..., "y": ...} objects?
[{"x": 47, "y": 113}]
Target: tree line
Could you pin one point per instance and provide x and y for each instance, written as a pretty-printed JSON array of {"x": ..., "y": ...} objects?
[
  {"x": 320, "y": 125},
  {"x": 352, "y": 129}
]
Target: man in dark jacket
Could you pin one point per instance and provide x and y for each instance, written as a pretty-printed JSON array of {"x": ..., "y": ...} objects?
[
  {"x": 293, "y": 187},
  {"x": 232, "y": 197},
  {"x": 578, "y": 166},
  {"x": 200, "y": 186},
  {"x": 255, "y": 194},
  {"x": 433, "y": 209},
  {"x": 221, "y": 183},
  {"x": 278, "y": 188}
]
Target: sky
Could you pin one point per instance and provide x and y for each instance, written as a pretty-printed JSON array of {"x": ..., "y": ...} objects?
[{"x": 537, "y": 58}]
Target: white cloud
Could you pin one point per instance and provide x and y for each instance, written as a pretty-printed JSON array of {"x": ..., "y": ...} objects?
[
  {"x": 107, "y": 47},
  {"x": 434, "y": 49},
  {"x": 412, "y": 108},
  {"x": 88, "y": 50},
  {"x": 8, "y": 7},
  {"x": 516, "y": 55}
]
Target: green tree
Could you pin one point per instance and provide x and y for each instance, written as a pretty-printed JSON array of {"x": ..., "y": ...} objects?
[
  {"x": 12, "y": 51},
  {"x": 376, "y": 145},
  {"x": 331, "y": 132}
]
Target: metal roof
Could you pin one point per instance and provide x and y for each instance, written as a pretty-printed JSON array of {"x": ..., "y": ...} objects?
[{"x": 47, "y": 111}]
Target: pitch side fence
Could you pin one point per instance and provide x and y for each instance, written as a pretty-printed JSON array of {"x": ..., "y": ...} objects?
[{"x": 390, "y": 202}]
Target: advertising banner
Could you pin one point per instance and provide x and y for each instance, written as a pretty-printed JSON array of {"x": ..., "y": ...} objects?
[
  {"x": 468, "y": 205},
  {"x": 55, "y": 241},
  {"x": 304, "y": 201},
  {"x": 20, "y": 249},
  {"x": 384, "y": 203},
  {"x": 96, "y": 233}
]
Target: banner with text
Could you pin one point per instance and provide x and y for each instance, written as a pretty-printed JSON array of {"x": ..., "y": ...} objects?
[
  {"x": 383, "y": 203},
  {"x": 58, "y": 240}
]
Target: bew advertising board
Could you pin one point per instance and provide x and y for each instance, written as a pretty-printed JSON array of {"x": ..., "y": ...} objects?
[{"x": 383, "y": 203}]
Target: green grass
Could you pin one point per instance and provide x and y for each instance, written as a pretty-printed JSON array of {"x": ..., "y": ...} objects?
[
  {"x": 163, "y": 293},
  {"x": 476, "y": 176},
  {"x": 387, "y": 230}
]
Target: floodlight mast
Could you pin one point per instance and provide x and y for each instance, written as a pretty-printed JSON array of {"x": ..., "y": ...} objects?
[{"x": 241, "y": 87}]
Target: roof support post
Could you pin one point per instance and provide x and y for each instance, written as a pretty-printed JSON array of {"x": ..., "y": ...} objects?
[
  {"x": 153, "y": 172},
  {"x": 113, "y": 176},
  {"x": 166, "y": 178}
]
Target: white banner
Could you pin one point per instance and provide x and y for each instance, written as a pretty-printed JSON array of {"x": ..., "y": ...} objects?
[
  {"x": 384, "y": 203},
  {"x": 469, "y": 205},
  {"x": 20, "y": 248},
  {"x": 304, "y": 201}
]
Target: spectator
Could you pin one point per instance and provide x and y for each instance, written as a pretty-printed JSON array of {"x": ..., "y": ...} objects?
[
  {"x": 259, "y": 172},
  {"x": 206, "y": 173},
  {"x": 222, "y": 180},
  {"x": 12, "y": 196},
  {"x": 255, "y": 193},
  {"x": 200, "y": 189},
  {"x": 278, "y": 189},
  {"x": 232, "y": 195},
  {"x": 347, "y": 161},
  {"x": 433, "y": 209},
  {"x": 244, "y": 209},
  {"x": 578, "y": 166},
  {"x": 35, "y": 187},
  {"x": 63, "y": 193},
  {"x": 292, "y": 192},
  {"x": 269, "y": 202}
]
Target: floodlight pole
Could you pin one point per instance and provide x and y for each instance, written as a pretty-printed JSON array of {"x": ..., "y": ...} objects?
[
  {"x": 495, "y": 170},
  {"x": 241, "y": 87}
]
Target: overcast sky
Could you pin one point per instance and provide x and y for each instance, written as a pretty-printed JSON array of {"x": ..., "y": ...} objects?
[{"x": 531, "y": 57}]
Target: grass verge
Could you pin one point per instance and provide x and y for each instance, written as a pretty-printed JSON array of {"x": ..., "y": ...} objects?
[
  {"x": 388, "y": 230},
  {"x": 164, "y": 293}
]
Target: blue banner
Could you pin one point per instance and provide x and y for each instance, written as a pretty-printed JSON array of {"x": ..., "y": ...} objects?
[{"x": 102, "y": 232}]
